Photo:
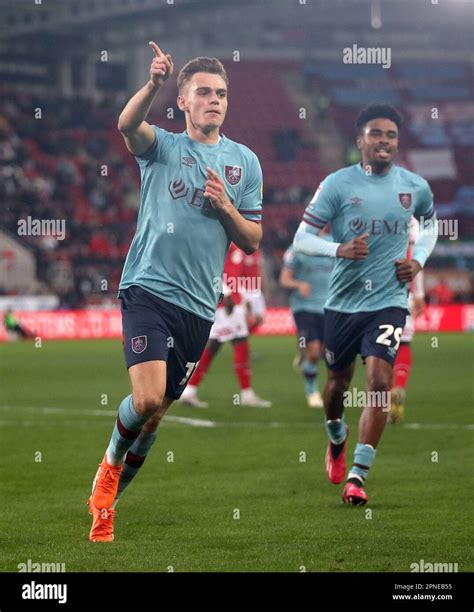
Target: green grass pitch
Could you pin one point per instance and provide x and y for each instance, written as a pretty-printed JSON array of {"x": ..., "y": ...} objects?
[{"x": 238, "y": 495}]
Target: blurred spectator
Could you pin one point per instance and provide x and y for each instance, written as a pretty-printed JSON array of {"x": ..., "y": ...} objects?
[
  {"x": 441, "y": 293},
  {"x": 322, "y": 106},
  {"x": 287, "y": 143},
  {"x": 52, "y": 169},
  {"x": 352, "y": 155}
]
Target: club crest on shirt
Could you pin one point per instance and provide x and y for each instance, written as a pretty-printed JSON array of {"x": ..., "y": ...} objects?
[
  {"x": 405, "y": 199},
  {"x": 139, "y": 344},
  {"x": 233, "y": 174}
]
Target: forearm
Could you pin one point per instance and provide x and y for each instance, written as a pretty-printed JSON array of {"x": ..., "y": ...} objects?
[
  {"x": 137, "y": 108},
  {"x": 310, "y": 244},
  {"x": 425, "y": 241},
  {"x": 243, "y": 233}
]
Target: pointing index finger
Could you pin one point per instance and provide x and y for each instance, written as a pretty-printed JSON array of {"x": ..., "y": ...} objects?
[{"x": 156, "y": 49}]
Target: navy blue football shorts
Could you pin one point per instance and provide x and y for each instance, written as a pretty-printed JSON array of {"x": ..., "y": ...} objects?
[
  {"x": 310, "y": 325},
  {"x": 155, "y": 329},
  {"x": 375, "y": 334}
]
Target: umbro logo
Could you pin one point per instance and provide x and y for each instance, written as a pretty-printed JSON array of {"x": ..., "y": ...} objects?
[
  {"x": 189, "y": 161},
  {"x": 356, "y": 200}
]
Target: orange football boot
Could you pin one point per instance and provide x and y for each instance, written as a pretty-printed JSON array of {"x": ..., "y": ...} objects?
[
  {"x": 105, "y": 486},
  {"x": 102, "y": 529}
]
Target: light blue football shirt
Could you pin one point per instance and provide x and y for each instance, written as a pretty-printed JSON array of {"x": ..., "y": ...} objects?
[
  {"x": 180, "y": 245},
  {"x": 313, "y": 270},
  {"x": 355, "y": 203}
]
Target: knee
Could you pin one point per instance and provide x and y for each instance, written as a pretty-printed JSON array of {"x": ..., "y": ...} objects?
[
  {"x": 147, "y": 403},
  {"x": 379, "y": 382},
  {"x": 153, "y": 422},
  {"x": 313, "y": 355}
]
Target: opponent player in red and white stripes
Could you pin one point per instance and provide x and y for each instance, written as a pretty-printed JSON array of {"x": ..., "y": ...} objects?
[
  {"x": 230, "y": 325},
  {"x": 254, "y": 294}
]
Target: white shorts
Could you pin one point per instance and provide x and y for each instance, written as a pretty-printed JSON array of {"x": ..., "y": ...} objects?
[
  {"x": 229, "y": 326},
  {"x": 256, "y": 303}
]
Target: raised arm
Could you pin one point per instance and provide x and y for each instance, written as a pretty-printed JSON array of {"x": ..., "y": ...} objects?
[{"x": 137, "y": 133}]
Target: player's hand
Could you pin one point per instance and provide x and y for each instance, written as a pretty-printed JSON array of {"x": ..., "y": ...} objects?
[
  {"x": 304, "y": 289},
  {"x": 407, "y": 269},
  {"x": 215, "y": 190},
  {"x": 418, "y": 306},
  {"x": 161, "y": 67},
  {"x": 357, "y": 248},
  {"x": 228, "y": 304}
]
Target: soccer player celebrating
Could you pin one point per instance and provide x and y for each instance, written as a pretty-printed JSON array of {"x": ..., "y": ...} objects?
[
  {"x": 369, "y": 206},
  {"x": 404, "y": 360},
  {"x": 199, "y": 191},
  {"x": 230, "y": 326},
  {"x": 308, "y": 279}
]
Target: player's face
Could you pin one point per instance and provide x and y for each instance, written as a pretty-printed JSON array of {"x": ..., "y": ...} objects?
[
  {"x": 378, "y": 143},
  {"x": 204, "y": 100}
]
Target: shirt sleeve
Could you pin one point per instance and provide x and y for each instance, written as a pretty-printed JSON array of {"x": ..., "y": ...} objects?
[
  {"x": 158, "y": 150},
  {"x": 308, "y": 242},
  {"x": 426, "y": 240},
  {"x": 322, "y": 207},
  {"x": 251, "y": 203},
  {"x": 424, "y": 206}
]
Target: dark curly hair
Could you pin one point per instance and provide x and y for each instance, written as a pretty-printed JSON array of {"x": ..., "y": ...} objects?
[{"x": 378, "y": 111}]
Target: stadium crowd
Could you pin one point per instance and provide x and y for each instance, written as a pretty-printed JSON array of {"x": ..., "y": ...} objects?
[{"x": 63, "y": 159}]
